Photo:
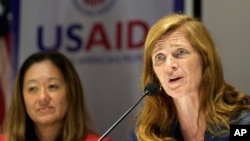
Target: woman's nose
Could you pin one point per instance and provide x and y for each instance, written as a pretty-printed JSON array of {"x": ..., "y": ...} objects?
[
  {"x": 44, "y": 97},
  {"x": 171, "y": 64}
]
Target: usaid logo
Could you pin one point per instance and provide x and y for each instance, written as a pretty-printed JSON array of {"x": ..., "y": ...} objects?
[{"x": 93, "y": 7}]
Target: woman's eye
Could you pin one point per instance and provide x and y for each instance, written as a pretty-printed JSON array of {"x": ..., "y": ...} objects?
[
  {"x": 181, "y": 52},
  {"x": 159, "y": 57},
  {"x": 53, "y": 87},
  {"x": 32, "y": 89}
]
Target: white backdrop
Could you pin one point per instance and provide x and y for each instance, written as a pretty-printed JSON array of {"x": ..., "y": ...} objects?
[{"x": 228, "y": 22}]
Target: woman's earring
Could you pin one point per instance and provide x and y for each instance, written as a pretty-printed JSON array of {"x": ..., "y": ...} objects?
[{"x": 160, "y": 88}]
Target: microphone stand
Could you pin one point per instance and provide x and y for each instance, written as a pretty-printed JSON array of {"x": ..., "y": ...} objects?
[{"x": 122, "y": 117}]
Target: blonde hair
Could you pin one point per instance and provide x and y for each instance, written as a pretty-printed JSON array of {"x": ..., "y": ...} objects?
[{"x": 218, "y": 101}]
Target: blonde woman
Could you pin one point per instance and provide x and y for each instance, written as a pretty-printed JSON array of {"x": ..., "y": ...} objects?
[{"x": 194, "y": 102}]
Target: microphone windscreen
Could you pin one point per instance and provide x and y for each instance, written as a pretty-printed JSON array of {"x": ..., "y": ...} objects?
[{"x": 151, "y": 88}]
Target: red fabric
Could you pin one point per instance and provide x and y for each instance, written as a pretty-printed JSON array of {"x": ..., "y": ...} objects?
[
  {"x": 2, "y": 137},
  {"x": 92, "y": 137}
]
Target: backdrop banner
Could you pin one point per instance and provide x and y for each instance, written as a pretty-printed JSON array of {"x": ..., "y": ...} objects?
[{"x": 104, "y": 39}]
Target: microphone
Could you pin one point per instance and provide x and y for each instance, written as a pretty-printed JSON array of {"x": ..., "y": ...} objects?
[{"x": 150, "y": 89}]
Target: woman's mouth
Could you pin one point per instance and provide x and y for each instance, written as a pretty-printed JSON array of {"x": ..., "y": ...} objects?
[{"x": 172, "y": 80}]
